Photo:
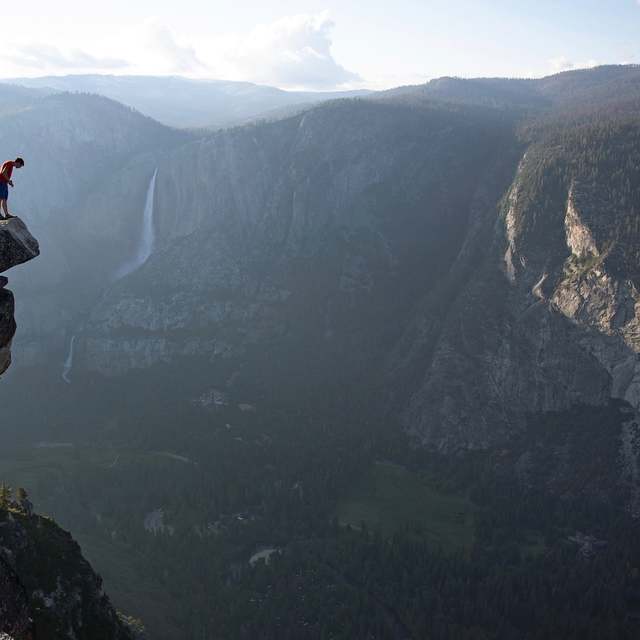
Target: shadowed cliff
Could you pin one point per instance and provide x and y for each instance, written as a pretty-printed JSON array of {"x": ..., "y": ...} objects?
[
  {"x": 47, "y": 588},
  {"x": 17, "y": 245}
]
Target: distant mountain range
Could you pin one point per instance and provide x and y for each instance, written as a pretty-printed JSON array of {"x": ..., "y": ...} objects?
[{"x": 183, "y": 102}]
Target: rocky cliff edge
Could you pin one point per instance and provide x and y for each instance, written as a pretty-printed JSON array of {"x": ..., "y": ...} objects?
[{"x": 17, "y": 245}]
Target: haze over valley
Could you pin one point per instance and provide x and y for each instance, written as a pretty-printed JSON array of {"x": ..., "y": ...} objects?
[{"x": 319, "y": 360}]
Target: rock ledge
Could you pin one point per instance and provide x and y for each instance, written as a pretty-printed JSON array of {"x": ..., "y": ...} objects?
[{"x": 17, "y": 245}]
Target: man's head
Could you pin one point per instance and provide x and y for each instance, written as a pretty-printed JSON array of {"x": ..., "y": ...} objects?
[{"x": 19, "y": 163}]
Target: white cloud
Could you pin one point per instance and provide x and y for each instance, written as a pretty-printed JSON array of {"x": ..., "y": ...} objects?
[
  {"x": 291, "y": 52},
  {"x": 562, "y": 63},
  {"x": 178, "y": 58},
  {"x": 48, "y": 57}
]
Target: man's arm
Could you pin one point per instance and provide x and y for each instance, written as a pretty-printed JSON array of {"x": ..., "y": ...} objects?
[{"x": 5, "y": 174}]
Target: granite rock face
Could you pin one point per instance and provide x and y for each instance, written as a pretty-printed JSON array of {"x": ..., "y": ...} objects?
[
  {"x": 469, "y": 278},
  {"x": 306, "y": 235},
  {"x": 17, "y": 245},
  {"x": 65, "y": 596},
  {"x": 7, "y": 328},
  {"x": 15, "y": 614},
  {"x": 551, "y": 319}
]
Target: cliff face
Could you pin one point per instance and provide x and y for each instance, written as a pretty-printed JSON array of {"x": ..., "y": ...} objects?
[
  {"x": 7, "y": 327},
  {"x": 17, "y": 245},
  {"x": 469, "y": 274},
  {"x": 15, "y": 614},
  {"x": 315, "y": 235},
  {"x": 551, "y": 320},
  {"x": 469, "y": 263},
  {"x": 64, "y": 596}
]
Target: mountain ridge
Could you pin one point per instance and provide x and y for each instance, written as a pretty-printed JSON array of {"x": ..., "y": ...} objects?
[{"x": 184, "y": 102}]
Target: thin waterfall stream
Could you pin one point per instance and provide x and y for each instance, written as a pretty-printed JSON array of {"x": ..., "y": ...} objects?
[{"x": 142, "y": 254}]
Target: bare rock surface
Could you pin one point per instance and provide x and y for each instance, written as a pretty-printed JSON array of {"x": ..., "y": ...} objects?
[{"x": 17, "y": 245}]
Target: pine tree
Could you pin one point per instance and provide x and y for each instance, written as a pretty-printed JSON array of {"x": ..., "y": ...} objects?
[
  {"x": 5, "y": 496},
  {"x": 22, "y": 499}
]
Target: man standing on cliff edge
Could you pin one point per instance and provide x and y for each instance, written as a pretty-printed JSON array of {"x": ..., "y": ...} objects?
[{"x": 5, "y": 182}]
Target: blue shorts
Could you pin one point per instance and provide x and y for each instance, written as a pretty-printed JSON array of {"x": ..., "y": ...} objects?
[{"x": 4, "y": 190}]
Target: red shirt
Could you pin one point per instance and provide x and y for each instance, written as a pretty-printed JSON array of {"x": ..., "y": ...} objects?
[{"x": 6, "y": 170}]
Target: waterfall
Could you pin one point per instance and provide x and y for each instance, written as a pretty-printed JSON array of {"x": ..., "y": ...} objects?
[
  {"x": 68, "y": 362},
  {"x": 145, "y": 246},
  {"x": 143, "y": 251}
]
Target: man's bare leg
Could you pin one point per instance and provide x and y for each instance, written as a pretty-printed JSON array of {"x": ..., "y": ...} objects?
[{"x": 5, "y": 208}]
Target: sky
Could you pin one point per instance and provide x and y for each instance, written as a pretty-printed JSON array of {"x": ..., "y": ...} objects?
[{"x": 318, "y": 45}]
